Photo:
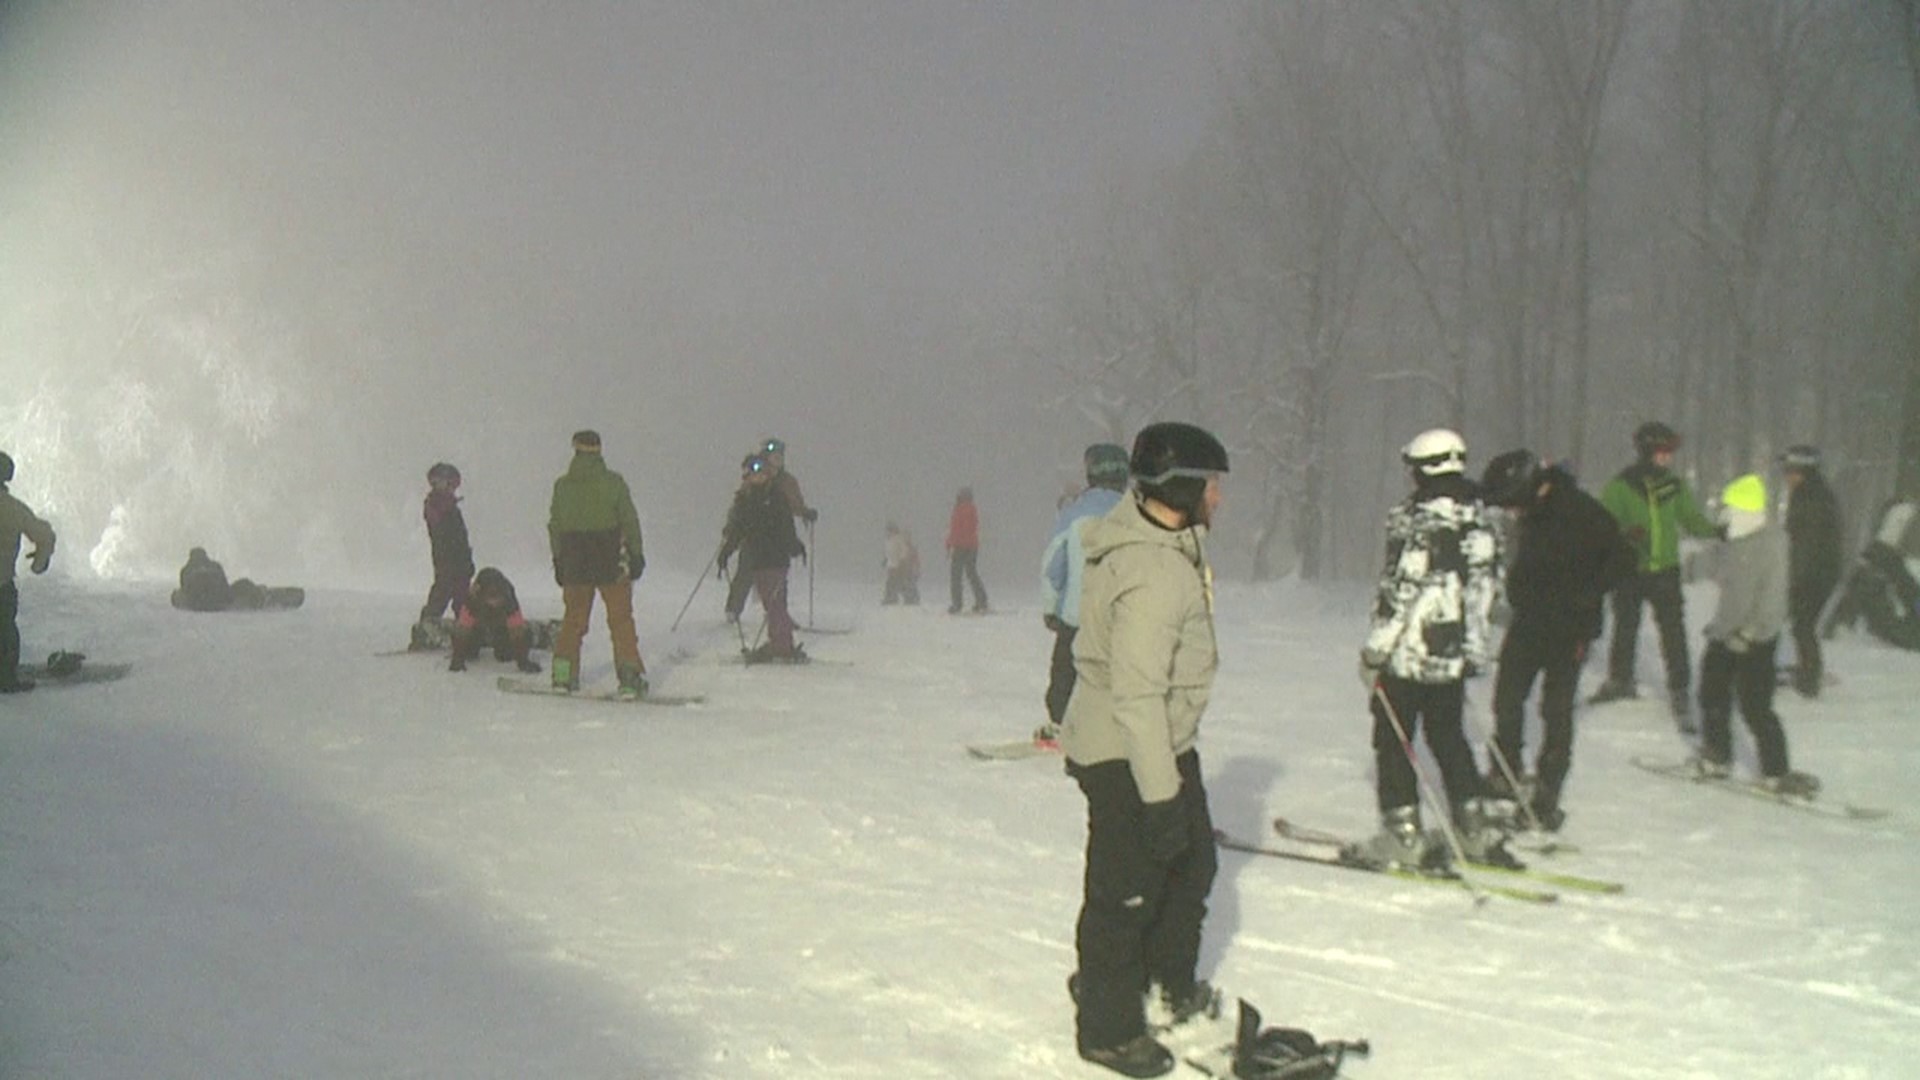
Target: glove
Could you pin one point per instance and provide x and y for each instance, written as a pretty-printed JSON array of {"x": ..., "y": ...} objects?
[
  {"x": 556, "y": 574},
  {"x": 1053, "y": 623},
  {"x": 810, "y": 515},
  {"x": 1164, "y": 825},
  {"x": 41, "y": 560},
  {"x": 1370, "y": 665},
  {"x": 720, "y": 564},
  {"x": 637, "y": 566}
]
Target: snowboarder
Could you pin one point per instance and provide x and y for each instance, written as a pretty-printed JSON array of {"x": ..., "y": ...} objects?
[
  {"x": 1814, "y": 555},
  {"x": 491, "y": 617},
  {"x": 1752, "y": 576},
  {"x": 963, "y": 552},
  {"x": 1881, "y": 588},
  {"x": 1061, "y": 568},
  {"x": 1653, "y": 506},
  {"x": 1146, "y": 657},
  {"x": 903, "y": 568},
  {"x": 17, "y": 520},
  {"x": 451, "y": 552},
  {"x": 594, "y": 533},
  {"x": 761, "y": 529},
  {"x": 1428, "y": 633},
  {"x": 204, "y": 587},
  {"x": 1569, "y": 554}
]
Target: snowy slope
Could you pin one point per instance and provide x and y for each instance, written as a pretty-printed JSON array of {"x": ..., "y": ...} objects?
[{"x": 269, "y": 854}]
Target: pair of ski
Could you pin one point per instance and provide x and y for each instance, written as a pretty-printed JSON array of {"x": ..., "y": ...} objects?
[
  {"x": 1523, "y": 883},
  {"x": 1685, "y": 771}
]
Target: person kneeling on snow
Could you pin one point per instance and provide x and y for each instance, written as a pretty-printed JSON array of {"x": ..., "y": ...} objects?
[
  {"x": 492, "y": 617},
  {"x": 1752, "y": 575}
]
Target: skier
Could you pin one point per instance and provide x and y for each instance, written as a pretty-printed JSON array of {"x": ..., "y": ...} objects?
[
  {"x": 1428, "y": 633},
  {"x": 774, "y": 453},
  {"x": 491, "y": 617},
  {"x": 1061, "y": 567},
  {"x": 17, "y": 520},
  {"x": 738, "y": 585},
  {"x": 1752, "y": 575},
  {"x": 1146, "y": 659},
  {"x": 761, "y": 529},
  {"x": 1569, "y": 554},
  {"x": 452, "y": 553},
  {"x": 963, "y": 552},
  {"x": 1881, "y": 588},
  {"x": 903, "y": 568},
  {"x": 594, "y": 533},
  {"x": 1653, "y": 505},
  {"x": 1814, "y": 555}
]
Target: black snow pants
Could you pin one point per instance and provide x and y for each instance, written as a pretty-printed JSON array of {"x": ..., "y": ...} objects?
[
  {"x": 1438, "y": 706},
  {"x": 1662, "y": 590},
  {"x": 1140, "y": 918},
  {"x": 9, "y": 634},
  {"x": 1748, "y": 676},
  {"x": 1524, "y": 656}
]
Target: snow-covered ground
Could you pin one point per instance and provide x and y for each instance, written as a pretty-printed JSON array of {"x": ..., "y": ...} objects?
[{"x": 267, "y": 853}]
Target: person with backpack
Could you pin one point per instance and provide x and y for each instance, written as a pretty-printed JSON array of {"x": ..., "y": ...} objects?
[
  {"x": 1569, "y": 555},
  {"x": 17, "y": 520},
  {"x": 1146, "y": 657},
  {"x": 594, "y": 534}
]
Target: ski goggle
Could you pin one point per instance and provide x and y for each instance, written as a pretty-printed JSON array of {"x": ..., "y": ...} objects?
[{"x": 1179, "y": 471}]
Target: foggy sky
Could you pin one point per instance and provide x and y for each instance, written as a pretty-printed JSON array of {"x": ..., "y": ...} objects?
[{"x": 687, "y": 225}]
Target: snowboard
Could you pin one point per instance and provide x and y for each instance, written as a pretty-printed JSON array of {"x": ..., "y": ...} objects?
[
  {"x": 1012, "y": 750},
  {"x": 88, "y": 673},
  {"x": 544, "y": 688}
]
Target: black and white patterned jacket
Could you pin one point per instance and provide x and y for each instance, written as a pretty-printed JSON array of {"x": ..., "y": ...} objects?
[{"x": 1432, "y": 611}]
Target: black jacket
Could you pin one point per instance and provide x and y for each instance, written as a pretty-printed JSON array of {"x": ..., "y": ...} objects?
[
  {"x": 760, "y": 528},
  {"x": 1813, "y": 535},
  {"x": 491, "y": 600},
  {"x": 1570, "y": 555}
]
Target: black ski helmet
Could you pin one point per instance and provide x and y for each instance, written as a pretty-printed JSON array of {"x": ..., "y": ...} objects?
[
  {"x": 1106, "y": 465},
  {"x": 6, "y": 468},
  {"x": 1653, "y": 437},
  {"x": 1801, "y": 456},
  {"x": 1172, "y": 462},
  {"x": 1511, "y": 479},
  {"x": 443, "y": 473}
]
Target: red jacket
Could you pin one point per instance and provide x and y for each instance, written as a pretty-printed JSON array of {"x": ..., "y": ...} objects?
[{"x": 963, "y": 528}]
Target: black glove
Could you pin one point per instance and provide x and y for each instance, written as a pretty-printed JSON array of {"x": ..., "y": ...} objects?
[
  {"x": 1165, "y": 827},
  {"x": 810, "y": 515},
  {"x": 556, "y": 574},
  {"x": 720, "y": 562},
  {"x": 1053, "y": 623},
  {"x": 636, "y": 565},
  {"x": 40, "y": 561}
]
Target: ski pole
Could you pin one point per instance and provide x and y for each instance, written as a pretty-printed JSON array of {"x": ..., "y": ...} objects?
[
  {"x": 1500, "y": 761},
  {"x": 1426, "y": 788},
  {"x": 701, "y": 580}
]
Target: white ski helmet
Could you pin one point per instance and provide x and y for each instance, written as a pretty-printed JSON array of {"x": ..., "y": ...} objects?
[{"x": 1436, "y": 452}]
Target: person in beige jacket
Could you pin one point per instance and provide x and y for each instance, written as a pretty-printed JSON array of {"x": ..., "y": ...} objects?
[
  {"x": 16, "y": 520},
  {"x": 1145, "y": 660}
]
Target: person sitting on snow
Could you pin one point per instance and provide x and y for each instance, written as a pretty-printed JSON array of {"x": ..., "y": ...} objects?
[{"x": 491, "y": 617}]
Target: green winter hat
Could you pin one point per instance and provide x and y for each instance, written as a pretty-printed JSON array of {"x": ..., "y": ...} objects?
[{"x": 1749, "y": 493}]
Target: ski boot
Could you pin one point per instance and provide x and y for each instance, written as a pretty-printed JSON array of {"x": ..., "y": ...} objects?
[
  {"x": 1681, "y": 703},
  {"x": 1483, "y": 838},
  {"x": 633, "y": 683},
  {"x": 1548, "y": 815},
  {"x": 565, "y": 680},
  {"x": 1400, "y": 844},
  {"x": 1793, "y": 785},
  {"x": 1139, "y": 1056},
  {"x": 1176, "y": 1007},
  {"x": 1614, "y": 691},
  {"x": 1706, "y": 768}
]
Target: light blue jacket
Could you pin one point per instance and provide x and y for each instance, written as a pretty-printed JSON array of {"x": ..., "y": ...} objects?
[{"x": 1066, "y": 556}]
